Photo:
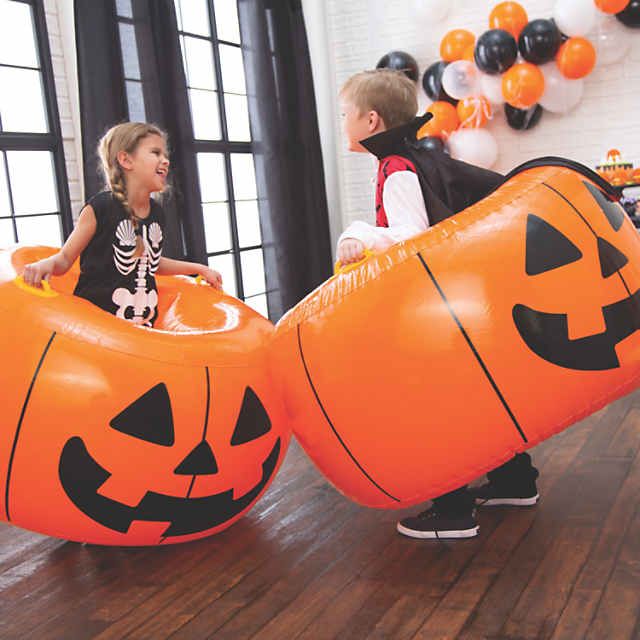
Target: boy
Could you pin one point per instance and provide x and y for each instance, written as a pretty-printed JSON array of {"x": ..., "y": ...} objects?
[{"x": 416, "y": 189}]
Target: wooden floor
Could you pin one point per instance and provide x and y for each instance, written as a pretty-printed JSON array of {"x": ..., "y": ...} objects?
[{"x": 307, "y": 563}]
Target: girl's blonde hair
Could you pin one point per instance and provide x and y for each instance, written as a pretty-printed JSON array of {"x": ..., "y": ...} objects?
[
  {"x": 390, "y": 93},
  {"x": 123, "y": 137}
]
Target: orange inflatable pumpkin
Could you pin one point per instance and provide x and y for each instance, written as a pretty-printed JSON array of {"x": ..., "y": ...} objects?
[
  {"x": 438, "y": 360},
  {"x": 117, "y": 434}
]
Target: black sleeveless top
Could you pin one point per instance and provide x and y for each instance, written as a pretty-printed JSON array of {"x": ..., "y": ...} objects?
[{"x": 110, "y": 276}]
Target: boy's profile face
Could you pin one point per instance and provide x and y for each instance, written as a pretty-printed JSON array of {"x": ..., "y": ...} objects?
[{"x": 358, "y": 126}]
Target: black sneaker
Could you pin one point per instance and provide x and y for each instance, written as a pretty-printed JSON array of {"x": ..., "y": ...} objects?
[
  {"x": 491, "y": 495},
  {"x": 430, "y": 524}
]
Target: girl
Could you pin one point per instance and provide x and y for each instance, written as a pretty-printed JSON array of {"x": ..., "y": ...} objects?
[{"x": 119, "y": 233}]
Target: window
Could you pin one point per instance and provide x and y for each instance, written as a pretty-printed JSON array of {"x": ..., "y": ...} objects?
[
  {"x": 209, "y": 35},
  {"x": 34, "y": 200}
]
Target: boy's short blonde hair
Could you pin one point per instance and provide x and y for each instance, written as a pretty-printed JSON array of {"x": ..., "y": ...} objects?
[{"x": 390, "y": 93}]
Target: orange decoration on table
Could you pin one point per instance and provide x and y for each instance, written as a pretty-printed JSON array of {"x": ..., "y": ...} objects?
[
  {"x": 611, "y": 6},
  {"x": 474, "y": 112},
  {"x": 455, "y": 44},
  {"x": 576, "y": 58},
  {"x": 509, "y": 16},
  {"x": 440, "y": 358},
  {"x": 523, "y": 85},
  {"x": 445, "y": 120}
]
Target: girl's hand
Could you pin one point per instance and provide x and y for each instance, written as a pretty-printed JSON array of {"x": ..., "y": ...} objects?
[
  {"x": 350, "y": 250},
  {"x": 36, "y": 272},
  {"x": 212, "y": 277}
]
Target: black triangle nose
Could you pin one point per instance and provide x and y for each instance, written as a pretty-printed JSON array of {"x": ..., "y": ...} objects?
[
  {"x": 200, "y": 462},
  {"x": 611, "y": 259}
]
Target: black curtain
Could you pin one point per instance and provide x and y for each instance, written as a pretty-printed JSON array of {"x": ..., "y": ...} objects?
[
  {"x": 103, "y": 104},
  {"x": 288, "y": 157}
]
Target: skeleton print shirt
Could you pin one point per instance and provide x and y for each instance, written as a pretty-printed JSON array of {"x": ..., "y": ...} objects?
[{"x": 110, "y": 275}]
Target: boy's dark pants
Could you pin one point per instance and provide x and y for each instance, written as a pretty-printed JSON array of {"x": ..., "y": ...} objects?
[{"x": 517, "y": 474}]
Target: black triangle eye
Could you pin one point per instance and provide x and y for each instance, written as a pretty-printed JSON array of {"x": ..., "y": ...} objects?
[
  {"x": 547, "y": 248},
  {"x": 253, "y": 420},
  {"x": 612, "y": 210},
  {"x": 611, "y": 259},
  {"x": 148, "y": 418}
]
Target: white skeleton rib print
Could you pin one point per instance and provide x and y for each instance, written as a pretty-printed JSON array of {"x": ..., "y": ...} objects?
[{"x": 140, "y": 299}]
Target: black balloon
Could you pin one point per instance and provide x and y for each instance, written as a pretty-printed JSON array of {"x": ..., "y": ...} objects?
[
  {"x": 400, "y": 61},
  {"x": 429, "y": 143},
  {"x": 630, "y": 16},
  {"x": 522, "y": 118},
  {"x": 432, "y": 83},
  {"x": 539, "y": 41},
  {"x": 496, "y": 50}
]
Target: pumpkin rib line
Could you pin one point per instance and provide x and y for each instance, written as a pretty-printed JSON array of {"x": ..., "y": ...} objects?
[
  {"x": 475, "y": 352},
  {"x": 340, "y": 440},
  {"x": 20, "y": 419}
]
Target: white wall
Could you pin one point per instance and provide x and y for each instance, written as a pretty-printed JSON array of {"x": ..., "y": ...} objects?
[{"x": 359, "y": 32}]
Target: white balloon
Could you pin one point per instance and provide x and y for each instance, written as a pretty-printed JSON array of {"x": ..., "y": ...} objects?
[
  {"x": 575, "y": 17},
  {"x": 611, "y": 40},
  {"x": 491, "y": 88},
  {"x": 560, "y": 94},
  {"x": 475, "y": 146},
  {"x": 460, "y": 79},
  {"x": 431, "y": 11}
]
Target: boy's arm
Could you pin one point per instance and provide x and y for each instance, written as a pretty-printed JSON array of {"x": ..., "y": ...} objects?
[{"x": 406, "y": 214}]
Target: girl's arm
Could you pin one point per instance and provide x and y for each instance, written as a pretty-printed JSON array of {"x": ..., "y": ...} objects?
[
  {"x": 171, "y": 267},
  {"x": 59, "y": 263}
]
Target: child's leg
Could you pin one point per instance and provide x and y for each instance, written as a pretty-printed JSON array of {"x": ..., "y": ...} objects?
[{"x": 513, "y": 483}]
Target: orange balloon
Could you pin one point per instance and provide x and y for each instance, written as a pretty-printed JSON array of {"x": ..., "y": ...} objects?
[
  {"x": 474, "y": 112},
  {"x": 576, "y": 58},
  {"x": 509, "y": 16},
  {"x": 445, "y": 120},
  {"x": 455, "y": 44},
  {"x": 611, "y": 6},
  {"x": 523, "y": 85},
  {"x": 469, "y": 53}
]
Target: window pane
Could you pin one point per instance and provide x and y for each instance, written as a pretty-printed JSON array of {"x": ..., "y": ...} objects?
[
  {"x": 252, "y": 272},
  {"x": 259, "y": 303},
  {"x": 244, "y": 176},
  {"x": 227, "y": 24},
  {"x": 237, "y": 117},
  {"x": 232, "y": 69},
  {"x": 6, "y": 233},
  {"x": 129, "y": 48},
  {"x": 135, "y": 101},
  {"x": 199, "y": 63},
  {"x": 40, "y": 230},
  {"x": 123, "y": 8},
  {"x": 217, "y": 228},
  {"x": 248, "y": 220},
  {"x": 195, "y": 17},
  {"x": 23, "y": 166},
  {"x": 213, "y": 184},
  {"x": 17, "y": 36},
  {"x": 224, "y": 264},
  {"x": 205, "y": 115},
  {"x": 5, "y": 204},
  {"x": 21, "y": 101}
]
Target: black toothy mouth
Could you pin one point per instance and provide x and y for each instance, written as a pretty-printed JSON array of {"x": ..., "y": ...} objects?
[
  {"x": 81, "y": 477},
  {"x": 547, "y": 335}
]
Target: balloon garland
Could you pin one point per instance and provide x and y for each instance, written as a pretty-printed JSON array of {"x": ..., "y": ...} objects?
[{"x": 522, "y": 66}]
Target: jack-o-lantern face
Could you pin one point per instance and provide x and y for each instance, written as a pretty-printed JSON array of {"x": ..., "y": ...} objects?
[
  {"x": 435, "y": 362},
  {"x": 150, "y": 419},
  {"x": 547, "y": 334}
]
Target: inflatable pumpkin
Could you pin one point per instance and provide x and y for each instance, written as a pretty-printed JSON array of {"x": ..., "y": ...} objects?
[
  {"x": 117, "y": 434},
  {"x": 441, "y": 358}
]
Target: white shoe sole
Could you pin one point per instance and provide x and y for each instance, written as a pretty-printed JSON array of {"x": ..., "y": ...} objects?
[
  {"x": 513, "y": 502},
  {"x": 437, "y": 535}
]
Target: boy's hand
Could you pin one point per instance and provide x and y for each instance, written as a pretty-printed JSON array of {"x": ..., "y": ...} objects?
[
  {"x": 212, "y": 277},
  {"x": 350, "y": 250},
  {"x": 36, "y": 272}
]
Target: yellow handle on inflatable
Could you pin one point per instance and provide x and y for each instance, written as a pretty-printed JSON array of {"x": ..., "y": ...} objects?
[
  {"x": 200, "y": 280},
  {"x": 340, "y": 268},
  {"x": 44, "y": 291}
]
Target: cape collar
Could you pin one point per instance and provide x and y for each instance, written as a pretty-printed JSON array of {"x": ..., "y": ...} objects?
[{"x": 385, "y": 143}]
